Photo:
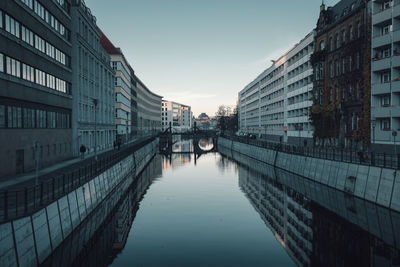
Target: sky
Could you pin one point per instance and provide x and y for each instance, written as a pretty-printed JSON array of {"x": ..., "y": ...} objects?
[{"x": 203, "y": 52}]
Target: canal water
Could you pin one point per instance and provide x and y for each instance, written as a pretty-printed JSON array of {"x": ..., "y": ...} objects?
[{"x": 215, "y": 210}]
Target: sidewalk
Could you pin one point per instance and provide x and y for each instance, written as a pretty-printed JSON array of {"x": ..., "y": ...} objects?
[{"x": 8, "y": 182}]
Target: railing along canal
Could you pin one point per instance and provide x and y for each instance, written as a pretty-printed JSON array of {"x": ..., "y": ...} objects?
[
  {"x": 385, "y": 160},
  {"x": 24, "y": 201}
]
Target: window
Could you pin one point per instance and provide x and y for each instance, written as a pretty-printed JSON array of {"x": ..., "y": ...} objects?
[
  {"x": 358, "y": 60},
  {"x": 332, "y": 69},
  {"x": 40, "y": 77},
  {"x": 1, "y": 19},
  {"x": 321, "y": 96},
  {"x": 358, "y": 29},
  {"x": 12, "y": 26},
  {"x": 386, "y": 52},
  {"x": 331, "y": 44},
  {"x": 350, "y": 63},
  {"x": 385, "y": 77},
  {"x": 385, "y": 100},
  {"x": 385, "y": 124},
  {"x": 386, "y": 4},
  {"x": 2, "y": 116},
  {"x": 321, "y": 71},
  {"x": 386, "y": 29},
  {"x": 1, "y": 63},
  {"x": 337, "y": 41},
  {"x": 351, "y": 33},
  {"x": 27, "y": 35},
  {"x": 13, "y": 67},
  {"x": 322, "y": 45},
  {"x": 28, "y": 73},
  {"x": 343, "y": 65},
  {"x": 343, "y": 36},
  {"x": 337, "y": 68}
]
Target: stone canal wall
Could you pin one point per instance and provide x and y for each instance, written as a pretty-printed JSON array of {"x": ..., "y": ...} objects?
[
  {"x": 30, "y": 240},
  {"x": 375, "y": 184}
]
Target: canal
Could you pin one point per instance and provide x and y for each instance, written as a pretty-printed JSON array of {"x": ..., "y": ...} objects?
[{"x": 223, "y": 210}]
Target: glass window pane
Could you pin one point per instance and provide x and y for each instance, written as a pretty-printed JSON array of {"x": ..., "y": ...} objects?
[
  {"x": 2, "y": 116},
  {"x": 1, "y": 63}
]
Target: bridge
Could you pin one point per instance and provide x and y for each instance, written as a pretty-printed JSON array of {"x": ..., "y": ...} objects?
[{"x": 196, "y": 134}]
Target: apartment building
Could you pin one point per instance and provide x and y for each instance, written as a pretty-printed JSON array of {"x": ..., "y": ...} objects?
[
  {"x": 176, "y": 115},
  {"x": 299, "y": 86},
  {"x": 35, "y": 81},
  {"x": 385, "y": 74},
  {"x": 341, "y": 61},
  {"x": 275, "y": 106},
  {"x": 148, "y": 109},
  {"x": 93, "y": 123}
]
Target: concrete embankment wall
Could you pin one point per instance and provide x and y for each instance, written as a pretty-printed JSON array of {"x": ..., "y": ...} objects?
[
  {"x": 30, "y": 240},
  {"x": 375, "y": 184},
  {"x": 377, "y": 220}
]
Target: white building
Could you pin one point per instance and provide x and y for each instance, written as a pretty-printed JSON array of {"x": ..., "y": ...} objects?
[
  {"x": 92, "y": 84},
  {"x": 277, "y": 103},
  {"x": 385, "y": 72},
  {"x": 177, "y": 115},
  {"x": 148, "y": 109}
]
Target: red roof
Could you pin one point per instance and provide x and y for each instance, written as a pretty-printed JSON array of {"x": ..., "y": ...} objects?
[{"x": 107, "y": 45}]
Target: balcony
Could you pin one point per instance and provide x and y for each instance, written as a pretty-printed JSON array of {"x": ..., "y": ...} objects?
[
  {"x": 380, "y": 88},
  {"x": 381, "y": 64},
  {"x": 385, "y": 112},
  {"x": 382, "y": 16},
  {"x": 383, "y": 40}
]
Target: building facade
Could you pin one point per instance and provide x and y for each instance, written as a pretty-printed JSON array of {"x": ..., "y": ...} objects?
[
  {"x": 125, "y": 92},
  {"x": 35, "y": 82},
  {"x": 385, "y": 74},
  {"x": 93, "y": 122},
  {"x": 176, "y": 115},
  {"x": 148, "y": 109},
  {"x": 341, "y": 62},
  {"x": 276, "y": 104}
]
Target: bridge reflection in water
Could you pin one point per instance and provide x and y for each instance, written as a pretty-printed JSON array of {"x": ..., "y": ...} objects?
[{"x": 316, "y": 225}]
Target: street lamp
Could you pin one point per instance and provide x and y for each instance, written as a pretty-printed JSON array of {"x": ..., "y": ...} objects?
[{"x": 95, "y": 127}]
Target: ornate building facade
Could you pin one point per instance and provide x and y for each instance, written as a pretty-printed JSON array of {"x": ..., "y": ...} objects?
[{"x": 341, "y": 61}]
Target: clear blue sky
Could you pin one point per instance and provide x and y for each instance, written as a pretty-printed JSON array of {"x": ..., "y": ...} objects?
[{"x": 203, "y": 52}]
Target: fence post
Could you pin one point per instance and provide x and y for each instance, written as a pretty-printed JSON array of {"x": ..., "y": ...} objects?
[
  {"x": 26, "y": 199},
  {"x": 53, "y": 187},
  {"x": 63, "y": 178},
  {"x": 384, "y": 159},
  {"x": 41, "y": 193}
]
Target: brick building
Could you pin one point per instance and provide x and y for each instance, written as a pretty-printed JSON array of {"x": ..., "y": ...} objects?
[{"x": 341, "y": 61}]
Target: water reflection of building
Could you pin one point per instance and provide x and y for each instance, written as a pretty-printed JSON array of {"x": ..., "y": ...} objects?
[
  {"x": 286, "y": 213},
  {"x": 313, "y": 235},
  {"x": 96, "y": 242},
  {"x": 126, "y": 211}
]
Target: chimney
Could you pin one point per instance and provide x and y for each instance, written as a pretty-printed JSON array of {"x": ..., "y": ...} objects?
[{"x": 322, "y": 7}]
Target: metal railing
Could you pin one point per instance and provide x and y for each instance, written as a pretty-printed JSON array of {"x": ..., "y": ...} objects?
[
  {"x": 27, "y": 200},
  {"x": 385, "y": 160}
]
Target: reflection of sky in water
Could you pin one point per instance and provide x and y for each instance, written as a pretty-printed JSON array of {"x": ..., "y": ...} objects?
[{"x": 196, "y": 215}]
